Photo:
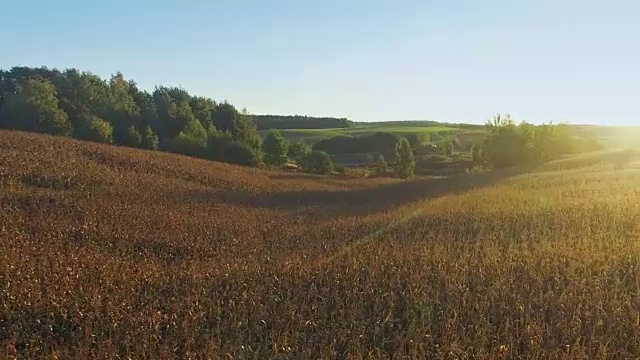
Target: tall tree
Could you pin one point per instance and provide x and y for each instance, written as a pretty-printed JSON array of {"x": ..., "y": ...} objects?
[
  {"x": 275, "y": 148},
  {"x": 147, "y": 114},
  {"x": 123, "y": 111},
  {"x": 405, "y": 162},
  {"x": 34, "y": 107},
  {"x": 202, "y": 108},
  {"x": 174, "y": 112},
  {"x": 225, "y": 118},
  {"x": 298, "y": 151}
]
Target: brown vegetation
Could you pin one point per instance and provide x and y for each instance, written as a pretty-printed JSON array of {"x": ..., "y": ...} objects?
[{"x": 112, "y": 252}]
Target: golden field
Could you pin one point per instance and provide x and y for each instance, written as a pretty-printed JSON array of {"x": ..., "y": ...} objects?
[{"x": 109, "y": 252}]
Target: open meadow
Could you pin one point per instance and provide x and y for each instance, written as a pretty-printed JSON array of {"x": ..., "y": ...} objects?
[
  {"x": 112, "y": 252},
  {"x": 363, "y": 129}
]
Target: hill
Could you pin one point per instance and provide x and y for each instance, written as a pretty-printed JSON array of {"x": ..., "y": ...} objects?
[
  {"x": 266, "y": 122},
  {"x": 117, "y": 252}
]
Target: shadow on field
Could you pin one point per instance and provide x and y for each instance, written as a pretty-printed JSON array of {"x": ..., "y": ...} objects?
[{"x": 362, "y": 201}]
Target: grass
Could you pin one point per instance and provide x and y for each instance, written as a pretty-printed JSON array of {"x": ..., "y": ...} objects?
[
  {"x": 110, "y": 252},
  {"x": 313, "y": 135}
]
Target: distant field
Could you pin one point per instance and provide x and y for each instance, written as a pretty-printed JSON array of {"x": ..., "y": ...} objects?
[
  {"x": 110, "y": 252},
  {"x": 313, "y": 135}
]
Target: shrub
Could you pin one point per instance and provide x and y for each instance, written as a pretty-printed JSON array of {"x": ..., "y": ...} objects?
[
  {"x": 405, "y": 162},
  {"x": 95, "y": 129},
  {"x": 149, "y": 139},
  {"x": 275, "y": 148},
  {"x": 239, "y": 153},
  {"x": 298, "y": 151},
  {"x": 319, "y": 162}
]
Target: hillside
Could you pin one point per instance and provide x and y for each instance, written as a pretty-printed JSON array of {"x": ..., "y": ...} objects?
[{"x": 108, "y": 251}]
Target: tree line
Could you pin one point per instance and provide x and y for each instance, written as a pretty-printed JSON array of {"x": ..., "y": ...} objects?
[
  {"x": 509, "y": 144},
  {"x": 266, "y": 122},
  {"x": 84, "y": 106}
]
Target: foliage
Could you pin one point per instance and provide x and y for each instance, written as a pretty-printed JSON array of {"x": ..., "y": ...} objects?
[
  {"x": 239, "y": 153},
  {"x": 217, "y": 142},
  {"x": 509, "y": 144},
  {"x": 149, "y": 139},
  {"x": 192, "y": 140},
  {"x": 116, "y": 110},
  {"x": 275, "y": 148},
  {"x": 34, "y": 107},
  {"x": 94, "y": 129},
  {"x": 417, "y": 139},
  {"x": 318, "y": 162},
  {"x": 405, "y": 162},
  {"x": 298, "y": 151}
]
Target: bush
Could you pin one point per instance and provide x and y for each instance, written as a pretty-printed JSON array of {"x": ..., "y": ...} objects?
[
  {"x": 275, "y": 148},
  {"x": 319, "y": 162},
  {"x": 186, "y": 145},
  {"x": 510, "y": 145},
  {"x": 239, "y": 153},
  {"x": 217, "y": 143},
  {"x": 191, "y": 141},
  {"x": 298, "y": 151},
  {"x": 149, "y": 139},
  {"x": 95, "y": 129},
  {"x": 133, "y": 137}
]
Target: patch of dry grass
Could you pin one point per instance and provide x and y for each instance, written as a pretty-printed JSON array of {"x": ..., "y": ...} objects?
[{"x": 110, "y": 252}]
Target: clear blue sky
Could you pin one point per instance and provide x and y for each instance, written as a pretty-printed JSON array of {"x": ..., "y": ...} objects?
[{"x": 456, "y": 61}]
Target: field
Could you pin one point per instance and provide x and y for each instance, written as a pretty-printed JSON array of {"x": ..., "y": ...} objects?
[
  {"x": 362, "y": 129},
  {"x": 109, "y": 252}
]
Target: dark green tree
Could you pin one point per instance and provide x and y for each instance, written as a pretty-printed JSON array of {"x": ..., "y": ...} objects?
[
  {"x": 239, "y": 153},
  {"x": 217, "y": 143},
  {"x": 174, "y": 112},
  {"x": 132, "y": 137},
  {"x": 225, "y": 118},
  {"x": 405, "y": 162},
  {"x": 34, "y": 107},
  {"x": 192, "y": 140},
  {"x": 275, "y": 148},
  {"x": 298, "y": 151},
  {"x": 202, "y": 108},
  {"x": 149, "y": 139},
  {"x": 92, "y": 128},
  {"x": 319, "y": 162}
]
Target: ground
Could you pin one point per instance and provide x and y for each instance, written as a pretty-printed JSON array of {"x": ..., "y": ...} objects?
[{"x": 108, "y": 251}]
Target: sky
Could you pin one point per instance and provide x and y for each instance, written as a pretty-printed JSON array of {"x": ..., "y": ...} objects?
[{"x": 367, "y": 60}]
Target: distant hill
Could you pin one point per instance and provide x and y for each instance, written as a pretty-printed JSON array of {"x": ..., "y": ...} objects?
[{"x": 266, "y": 122}]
